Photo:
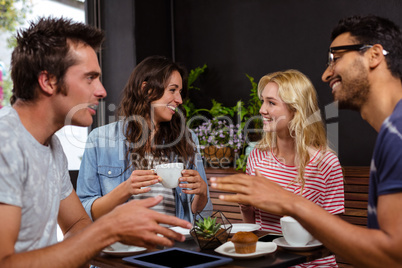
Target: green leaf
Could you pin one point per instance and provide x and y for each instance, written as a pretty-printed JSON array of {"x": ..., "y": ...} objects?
[
  {"x": 10, "y": 16},
  {"x": 241, "y": 162},
  {"x": 193, "y": 76},
  {"x": 188, "y": 106},
  {"x": 207, "y": 227}
]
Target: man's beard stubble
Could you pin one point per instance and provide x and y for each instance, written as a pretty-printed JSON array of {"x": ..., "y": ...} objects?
[{"x": 355, "y": 88}]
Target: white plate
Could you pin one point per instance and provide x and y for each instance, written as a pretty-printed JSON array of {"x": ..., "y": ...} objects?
[
  {"x": 183, "y": 231},
  {"x": 122, "y": 250},
  {"x": 310, "y": 245},
  {"x": 263, "y": 248},
  {"x": 244, "y": 227}
]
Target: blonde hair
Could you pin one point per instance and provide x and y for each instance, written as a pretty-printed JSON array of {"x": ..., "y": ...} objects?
[{"x": 306, "y": 127}]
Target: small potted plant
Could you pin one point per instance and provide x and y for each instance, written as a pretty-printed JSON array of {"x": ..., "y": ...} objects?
[{"x": 211, "y": 231}]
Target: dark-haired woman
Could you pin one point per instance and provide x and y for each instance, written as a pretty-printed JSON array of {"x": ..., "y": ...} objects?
[{"x": 119, "y": 157}]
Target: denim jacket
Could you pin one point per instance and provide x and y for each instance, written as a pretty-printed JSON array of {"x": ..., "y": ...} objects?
[{"x": 104, "y": 167}]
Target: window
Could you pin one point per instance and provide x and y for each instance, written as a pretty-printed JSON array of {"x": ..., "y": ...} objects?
[{"x": 72, "y": 138}]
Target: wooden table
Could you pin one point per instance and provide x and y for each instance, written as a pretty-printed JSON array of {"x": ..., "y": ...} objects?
[{"x": 280, "y": 258}]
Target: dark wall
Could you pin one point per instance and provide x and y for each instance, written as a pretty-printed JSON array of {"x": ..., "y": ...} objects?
[
  {"x": 153, "y": 28},
  {"x": 134, "y": 30},
  {"x": 235, "y": 37},
  {"x": 118, "y": 56}
]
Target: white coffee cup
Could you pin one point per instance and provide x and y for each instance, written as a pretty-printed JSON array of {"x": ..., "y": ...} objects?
[
  {"x": 294, "y": 233},
  {"x": 170, "y": 174}
]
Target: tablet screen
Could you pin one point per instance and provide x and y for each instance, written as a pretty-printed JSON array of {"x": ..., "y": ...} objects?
[{"x": 177, "y": 258}]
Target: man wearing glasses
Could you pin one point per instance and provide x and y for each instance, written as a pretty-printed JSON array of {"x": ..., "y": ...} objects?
[{"x": 364, "y": 71}]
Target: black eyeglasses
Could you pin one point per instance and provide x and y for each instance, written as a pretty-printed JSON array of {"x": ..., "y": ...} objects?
[{"x": 359, "y": 47}]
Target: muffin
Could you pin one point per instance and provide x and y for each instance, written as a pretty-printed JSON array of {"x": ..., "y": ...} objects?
[{"x": 244, "y": 242}]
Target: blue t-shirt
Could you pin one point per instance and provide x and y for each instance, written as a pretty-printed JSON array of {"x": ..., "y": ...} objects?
[{"x": 386, "y": 164}]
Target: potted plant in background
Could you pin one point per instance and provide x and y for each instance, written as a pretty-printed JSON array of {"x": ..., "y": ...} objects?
[
  {"x": 219, "y": 141},
  {"x": 194, "y": 74},
  {"x": 210, "y": 231},
  {"x": 251, "y": 124},
  {"x": 240, "y": 126}
]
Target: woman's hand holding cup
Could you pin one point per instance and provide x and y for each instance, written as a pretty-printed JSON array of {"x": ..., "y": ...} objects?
[
  {"x": 170, "y": 174},
  {"x": 139, "y": 180}
]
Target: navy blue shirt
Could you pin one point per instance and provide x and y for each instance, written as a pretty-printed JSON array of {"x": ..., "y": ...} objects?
[{"x": 386, "y": 164}]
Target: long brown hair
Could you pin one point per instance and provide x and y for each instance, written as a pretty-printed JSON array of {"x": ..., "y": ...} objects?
[{"x": 173, "y": 138}]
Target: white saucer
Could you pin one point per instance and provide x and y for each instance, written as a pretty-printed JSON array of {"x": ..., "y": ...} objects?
[
  {"x": 263, "y": 248},
  {"x": 244, "y": 227},
  {"x": 183, "y": 231},
  {"x": 122, "y": 250},
  {"x": 310, "y": 245}
]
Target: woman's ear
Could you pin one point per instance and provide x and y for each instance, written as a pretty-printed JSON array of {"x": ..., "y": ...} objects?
[
  {"x": 143, "y": 85},
  {"x": 47, "y": 83}
]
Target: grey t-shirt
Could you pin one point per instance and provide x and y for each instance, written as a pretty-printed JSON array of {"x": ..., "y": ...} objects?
[{"x": 33, "y": 177}]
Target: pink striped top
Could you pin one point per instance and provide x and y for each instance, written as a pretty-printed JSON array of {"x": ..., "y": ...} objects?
[
  {"x": 323, "y": 186},
  {"x": 323, "y": 182}
]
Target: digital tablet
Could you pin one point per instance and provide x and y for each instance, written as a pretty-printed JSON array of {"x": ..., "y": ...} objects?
[{"x": 177, "y": 258}]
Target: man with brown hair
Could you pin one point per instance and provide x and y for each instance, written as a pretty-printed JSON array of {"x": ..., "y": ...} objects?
[{"x": 56, "y": 74}]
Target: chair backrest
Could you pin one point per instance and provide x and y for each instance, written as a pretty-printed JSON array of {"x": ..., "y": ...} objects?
[{"x": 356, "y": 194}]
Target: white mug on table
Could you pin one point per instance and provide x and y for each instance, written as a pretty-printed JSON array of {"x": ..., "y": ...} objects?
[
  {"x": 294, "y": 233},
  {"x": 170, "y": 174}
]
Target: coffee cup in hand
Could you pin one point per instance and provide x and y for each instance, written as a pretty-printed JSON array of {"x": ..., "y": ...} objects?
[
  {"x": 170, "y": 174},
  {"x": 294, "y": 233}
]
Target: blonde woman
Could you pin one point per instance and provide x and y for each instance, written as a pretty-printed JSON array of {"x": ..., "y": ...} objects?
[{"x": 293, "y": 151}]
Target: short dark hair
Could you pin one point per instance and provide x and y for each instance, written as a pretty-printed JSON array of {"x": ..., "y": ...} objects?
[
  {"x": 372, "y": 30},
  {"x": 45, "y": 46}
]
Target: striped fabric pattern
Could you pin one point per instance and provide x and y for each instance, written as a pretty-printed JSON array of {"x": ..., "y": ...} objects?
[
  {"x": 323, "y": 186},
  {"x": 168, "y": 204}
]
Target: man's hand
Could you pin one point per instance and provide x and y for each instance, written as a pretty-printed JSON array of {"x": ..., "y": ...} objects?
[
  {"x": 136, "y": 224},
  {"x": 257, "y": 191}
]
